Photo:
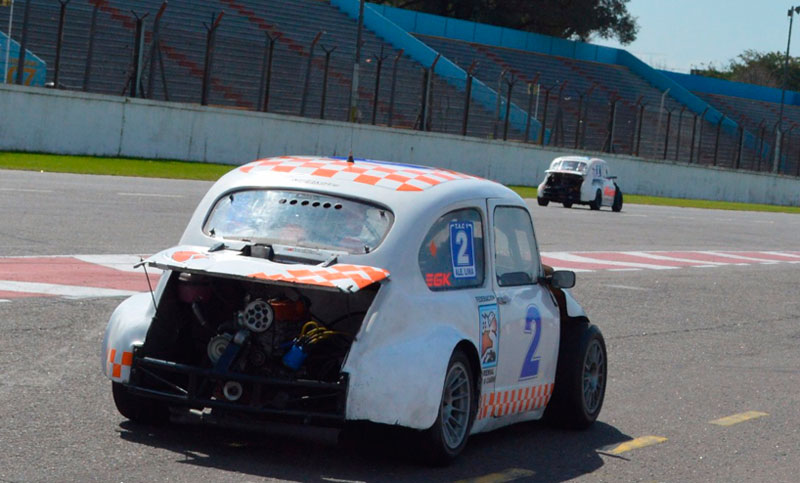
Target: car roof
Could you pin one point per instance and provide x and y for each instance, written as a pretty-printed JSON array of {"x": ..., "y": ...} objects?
[
  {"x": 585, "y": 159},
  {"x": 392, "y": 184}
]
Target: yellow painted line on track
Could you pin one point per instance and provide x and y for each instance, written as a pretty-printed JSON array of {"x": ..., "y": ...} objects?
[
  {"x": 510, "y": 474},
  {"x": 738, "y": 418},
  {"x": 636, "y": 444}
]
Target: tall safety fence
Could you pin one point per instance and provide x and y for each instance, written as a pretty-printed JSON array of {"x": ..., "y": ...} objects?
[{"x": 254, "y": 56}]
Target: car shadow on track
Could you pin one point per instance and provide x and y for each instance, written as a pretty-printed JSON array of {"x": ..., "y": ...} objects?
[{"x": 305, "y": 453}]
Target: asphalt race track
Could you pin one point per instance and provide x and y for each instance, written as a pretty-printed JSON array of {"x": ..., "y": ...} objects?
[{"x": 688, "y": 346}]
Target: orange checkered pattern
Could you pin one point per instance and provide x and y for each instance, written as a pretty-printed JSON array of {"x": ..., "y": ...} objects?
[
  {"x": 120, "y": 371},
  {"x": 394, "y": 177},
  {"x": 349, "y": 278},
  {"x": 515, "y": 401}
]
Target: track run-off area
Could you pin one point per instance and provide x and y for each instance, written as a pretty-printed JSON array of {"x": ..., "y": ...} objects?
[{"x": 700, "y": 310}]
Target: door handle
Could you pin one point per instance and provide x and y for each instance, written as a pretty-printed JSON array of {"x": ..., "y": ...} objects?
[{"x": 503, "y": 299}]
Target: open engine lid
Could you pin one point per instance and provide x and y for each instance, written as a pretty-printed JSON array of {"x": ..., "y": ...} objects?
[{"x": 232, "y": 264}]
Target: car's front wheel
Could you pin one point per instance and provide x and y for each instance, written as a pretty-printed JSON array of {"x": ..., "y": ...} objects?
[
  {"x": 598, "y": 201},
  {"x": 617, "y": 206},
  {"x": 581, "y": 374},
  {"x": 138, "y": 409},
  {"x": 448, "y": 435},
  {"x": 542, "y": 201},
  {"x": 567, "y": 204}
]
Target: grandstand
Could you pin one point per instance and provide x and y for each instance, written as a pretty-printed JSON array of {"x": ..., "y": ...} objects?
[{"x": 597, "y": 103}]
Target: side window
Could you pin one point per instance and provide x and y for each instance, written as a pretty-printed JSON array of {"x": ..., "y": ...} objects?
[
  {"x": 516, "y": 257},
  {"x": 451, "y": 256}
]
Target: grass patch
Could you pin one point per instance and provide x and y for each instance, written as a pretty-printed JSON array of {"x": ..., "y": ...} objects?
[
  {"x": 153, "y": 168},
  {"x": 146, "y": 168},
  {"x": 529, "y": 192}
]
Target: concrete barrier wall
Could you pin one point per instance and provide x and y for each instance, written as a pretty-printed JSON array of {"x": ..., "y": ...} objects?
[{"x": 44, "y": 120}]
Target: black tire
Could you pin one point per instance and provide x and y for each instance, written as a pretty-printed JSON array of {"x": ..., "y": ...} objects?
[
  {"x": 542, "y": 201},
  {"x": 617, "y": 206},
  {"x": 578, "y": 369},
  {"x": 439, "y": 446},
  {"x": 567, "y": 204},
  {"x": 138, "y": 409},
  {"x": 598, "y": 201}
]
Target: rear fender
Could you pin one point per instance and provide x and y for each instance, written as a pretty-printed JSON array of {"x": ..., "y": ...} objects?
[
  {"x": 126, "y": 329},
  {"x": 400, "y": 382}
]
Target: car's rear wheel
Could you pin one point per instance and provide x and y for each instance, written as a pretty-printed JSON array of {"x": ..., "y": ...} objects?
[
  {"x": 617, "y": 206},
  {"x": 138, "y": 409},
  {"x": 598, "y": 201},
  {"x": 581, "y": 375},
  {"x": 542, "y": 201},
  {"x": 448, "y": 435},
  {"x": 567, "y": 204}
]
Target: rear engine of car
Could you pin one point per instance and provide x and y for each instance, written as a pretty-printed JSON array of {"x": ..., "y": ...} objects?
[
  {"x": 239, "y": 350},
  {"x": 562, "y": 187}
]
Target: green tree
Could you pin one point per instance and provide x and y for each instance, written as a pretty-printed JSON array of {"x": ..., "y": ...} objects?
[
  {"x": 569, "y": 19},
  {"x": 760, "y": 68}
]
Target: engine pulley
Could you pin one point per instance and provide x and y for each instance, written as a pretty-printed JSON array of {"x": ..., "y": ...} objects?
[{"x": 257, "y": 316}]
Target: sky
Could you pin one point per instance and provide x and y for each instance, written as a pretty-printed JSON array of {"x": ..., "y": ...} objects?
[{"x": 680, "y": 34}]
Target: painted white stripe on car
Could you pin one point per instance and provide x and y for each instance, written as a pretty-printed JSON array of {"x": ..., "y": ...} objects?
[{"x": 72, "y": 291}]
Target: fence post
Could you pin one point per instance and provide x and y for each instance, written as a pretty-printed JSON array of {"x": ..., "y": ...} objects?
[
  {"x": 266, "y": 78},
  {"x": 678, "y": 141},
  {"x": 427, "y": 94},
  {"x": 558, "y": 123},
  {"x": 716, "y": 139},
  {"x": 666, "y": 137},
  {"x": 612, "y": 114},
  {"x": 700, "y": 137},
  {"x": 760, "y": 143},
  {"x": 209, "y": 58},
  {"x": 468, "y": 97},
  {"x": 87, "y": 72},
  {"x": 543, "y": 128},
  {"x": 138, "y": 47},
  {"x": 376, "y": 95},
  {"x": 323, "y": 101},
  {"x": 510, "y": 81},
  {"x": 23, "y": 45},
  {"x": 497, "y": 103},
  {"x": 59, "y": 42},
  {"x": 307, "y": 81},
  {"x": 639, "y": 129},
  {"x": 394, "y": 86},
  {"x": 737, "y": 161},
  {"x": 155, "y": 50}
]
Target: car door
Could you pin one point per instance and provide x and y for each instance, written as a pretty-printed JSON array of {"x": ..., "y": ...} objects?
[
  {"x": 609, "y": 190},
  {"x": 527, "y": 313}
]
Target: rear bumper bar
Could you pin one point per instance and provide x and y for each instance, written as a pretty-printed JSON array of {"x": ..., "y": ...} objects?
[{"x": 265, "y": 399}]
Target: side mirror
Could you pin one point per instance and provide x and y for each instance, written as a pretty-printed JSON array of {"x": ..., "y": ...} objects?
[
  {"x": 612, "y": 177},
  {"x": 563, "y": 279}
]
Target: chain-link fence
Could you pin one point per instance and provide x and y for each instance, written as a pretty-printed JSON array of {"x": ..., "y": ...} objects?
[{"x": 296, "y": 58}]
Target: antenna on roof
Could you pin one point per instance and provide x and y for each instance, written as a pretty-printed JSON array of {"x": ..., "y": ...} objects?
[{"x": 350, "y": 158}]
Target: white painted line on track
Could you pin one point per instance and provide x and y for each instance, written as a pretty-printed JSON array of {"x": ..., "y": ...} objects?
[
  {"x": 586, "y": 258},
  {"x": 656, "y": 256},
  {"x": 737, "y": 257},
  {"x": 26, "y": 190},
  {"x": 152, "y": 195},
  {"x": 627, "y": 287},
  {"x": 123, "y": 263},
  {"x": 624, "y": 269},
  {"x": 72, "y": 291},
  {"x": 4, "y": 300}
]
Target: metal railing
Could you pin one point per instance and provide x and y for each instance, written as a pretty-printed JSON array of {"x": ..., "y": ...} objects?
[{"x": 95, "y": 47}]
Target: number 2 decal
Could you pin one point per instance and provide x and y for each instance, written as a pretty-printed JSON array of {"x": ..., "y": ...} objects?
[
  {"x": 461, "y": 241},
  {"x": 530, "y": 367}
]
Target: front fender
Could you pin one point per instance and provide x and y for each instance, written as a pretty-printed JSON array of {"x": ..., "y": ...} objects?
[
  {"x": 126, "y": 328},
  {"x": 400, "y": 382},
  {"x": 574, "y": 309}
]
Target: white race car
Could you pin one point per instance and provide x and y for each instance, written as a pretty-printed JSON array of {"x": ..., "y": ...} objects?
[
  {"x": 334, "y": 291},
  {"x": 581, "y": 180}
]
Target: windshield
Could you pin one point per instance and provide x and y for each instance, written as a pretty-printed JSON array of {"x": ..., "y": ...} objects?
[
  {"x": 570, "y": 166},
  {"x": 298, "y": 218}
]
